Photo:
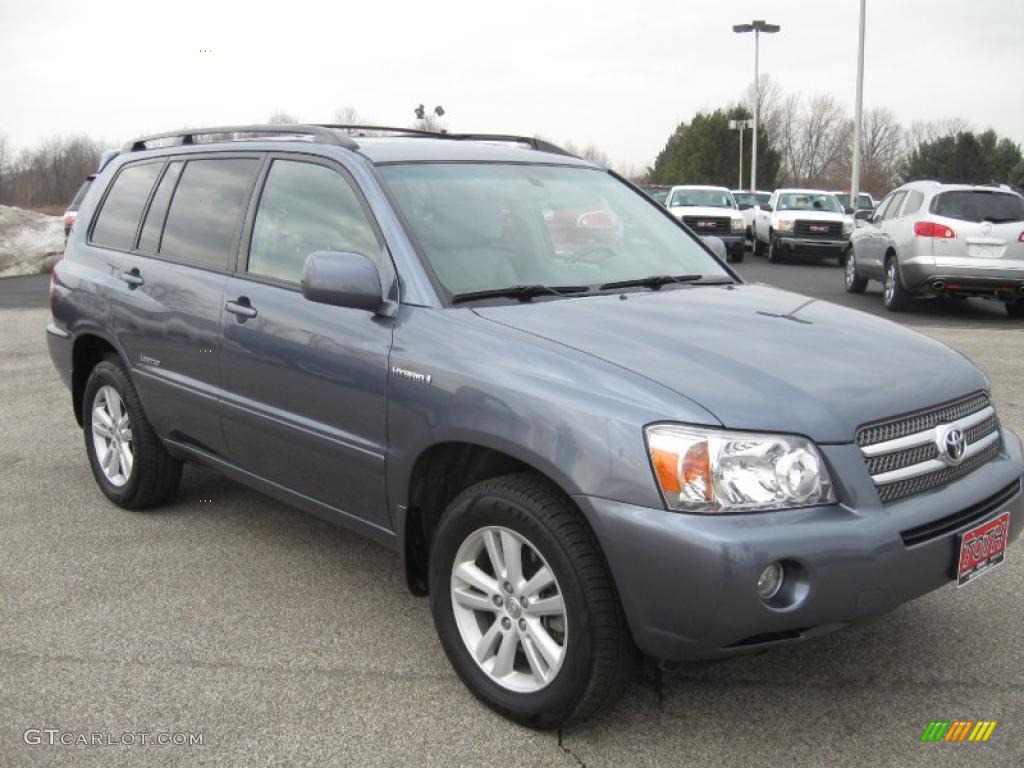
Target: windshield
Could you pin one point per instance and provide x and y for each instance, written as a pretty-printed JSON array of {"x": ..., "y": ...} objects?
[
  {"x": 750, "y": 198},
  {"x": 808, "y": 201},
  {"x": 658, "y": 193},
  {"x": 863, "y": 201},
  {"x": 488, "y": 226},
  {"x": 975, "y": 205},
  {"x": 705, "y": 198}
]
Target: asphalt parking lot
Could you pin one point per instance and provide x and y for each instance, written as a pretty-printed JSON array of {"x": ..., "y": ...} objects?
[{"x": 286, "y": 641}]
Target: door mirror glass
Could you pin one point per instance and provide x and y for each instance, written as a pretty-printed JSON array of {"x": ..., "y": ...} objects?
[
  {"x": 744, "y": 206},
  {"x": 766, "y": 207},
  {"x": 864, "y": 214},
  {"x": 342, "y": 279},
  {"x": 847, "y": 210}
]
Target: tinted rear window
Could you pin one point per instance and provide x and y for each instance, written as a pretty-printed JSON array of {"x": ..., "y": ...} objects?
[
  {"x": 119, "y": 218},
  {"x": 974, "y": 205},
  {"x": 77, "y": 202},
  {"x": 206, "y": 211},
  {"x": 149, "y": 240}
]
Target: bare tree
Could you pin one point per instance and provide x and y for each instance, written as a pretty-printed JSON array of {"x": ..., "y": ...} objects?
[
  {"x": 883, "y": 151},
  {"x": 282, "y": 117},
  {"x": 772, "y": 101},
  {"x": 922, "y": 131}
]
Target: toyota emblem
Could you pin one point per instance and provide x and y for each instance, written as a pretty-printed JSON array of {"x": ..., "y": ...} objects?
[{"x": 952, "y": 445}]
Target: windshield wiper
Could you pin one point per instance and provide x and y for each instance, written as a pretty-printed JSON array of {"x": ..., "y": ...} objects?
[
  {"x": 654, "y": 282},
  {"x": 520, "y": 292}
]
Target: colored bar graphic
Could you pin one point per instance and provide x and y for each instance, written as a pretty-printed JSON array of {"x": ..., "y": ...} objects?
[{"x": 958, "y": 730}]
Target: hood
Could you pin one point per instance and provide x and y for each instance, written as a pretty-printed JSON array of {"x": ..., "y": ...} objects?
[
  {"x": 815, "y": 215},
  {"x": 704, "y": 210},
  {"x": 758, "y": 358}
]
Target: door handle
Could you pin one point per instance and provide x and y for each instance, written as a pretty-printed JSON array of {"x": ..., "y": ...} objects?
[
  {"x": 241, "y": 308},
  {"x": 133, "y": 278}
]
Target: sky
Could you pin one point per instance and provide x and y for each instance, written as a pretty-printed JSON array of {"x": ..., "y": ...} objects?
[{"x": 619, "y": 75}]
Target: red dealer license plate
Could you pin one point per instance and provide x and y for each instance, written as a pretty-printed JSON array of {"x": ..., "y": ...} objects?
[{"x": 982, "y": 548}]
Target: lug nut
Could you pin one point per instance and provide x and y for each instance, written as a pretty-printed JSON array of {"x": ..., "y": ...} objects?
[
  {"x": 506, "y": 623},
  {"x": 522, "y": 624},
  {"x": 524, "y": 602},
  {"x": 507, "y": 587},
  {"x": 497, "y": 601}
]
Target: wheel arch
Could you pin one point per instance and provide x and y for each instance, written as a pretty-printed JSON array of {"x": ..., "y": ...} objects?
[
  {"x": 88, "y": 349},
  {"x": 440, "y": 472}
]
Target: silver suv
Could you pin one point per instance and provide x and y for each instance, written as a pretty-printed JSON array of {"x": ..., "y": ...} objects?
[{"x": 932, "y": 239}]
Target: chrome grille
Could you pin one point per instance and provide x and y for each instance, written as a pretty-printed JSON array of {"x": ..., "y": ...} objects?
[
  {"x": 709, "y": 225},
  {"x": 902, "y": 426},
  {"x": 903, "y": 454},
  {"x": 819, "y": 228}
]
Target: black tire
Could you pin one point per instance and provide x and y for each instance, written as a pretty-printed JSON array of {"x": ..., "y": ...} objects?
[
  {"x": 774, "y": 252},
  {"x": 599, "y": 651},
  {"x": 155, "y": 474},
  {"x": 737, "y": 256},
  {"x": 854, "y": 282},
  {"x": 758, "y": 248},
  {"x": 1015, "y": 309},
  {"x": 895, "y": 297}
]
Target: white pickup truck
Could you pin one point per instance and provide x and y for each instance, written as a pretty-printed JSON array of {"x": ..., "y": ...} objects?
[{"x": 806, "y": 221}]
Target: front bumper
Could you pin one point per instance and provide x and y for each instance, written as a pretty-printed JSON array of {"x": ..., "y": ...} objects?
[
  {"x": 688, "y": 582},
  {"x": 812, "y": 245}
]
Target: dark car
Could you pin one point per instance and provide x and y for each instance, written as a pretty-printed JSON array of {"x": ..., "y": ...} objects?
[
  {"x": 577, "y": 455},
  {"x": 72, "y": 211}
]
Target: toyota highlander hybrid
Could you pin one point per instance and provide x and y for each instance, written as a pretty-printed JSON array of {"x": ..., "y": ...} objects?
[{"x": 579, "y": 453}]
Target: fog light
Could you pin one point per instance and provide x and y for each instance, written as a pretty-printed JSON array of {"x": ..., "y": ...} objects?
[{"x": 770, "y": 581}]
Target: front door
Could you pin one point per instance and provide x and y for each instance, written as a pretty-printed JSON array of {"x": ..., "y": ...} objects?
[{"x": 305, "y": 383}]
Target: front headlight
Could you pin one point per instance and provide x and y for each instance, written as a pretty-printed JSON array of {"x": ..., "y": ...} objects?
[
  {"x": 785, "y": 225},
  {"x": 712, "y": 471},
  {"x": 847, "y": 227},
  {"x": 739, "y": 225}
]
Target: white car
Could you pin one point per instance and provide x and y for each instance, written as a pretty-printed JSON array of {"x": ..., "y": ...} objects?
[
  {"x": 748, "y": 202},
  {"x": 710, "y": 211},
  {"x": 806, "y": 221}
]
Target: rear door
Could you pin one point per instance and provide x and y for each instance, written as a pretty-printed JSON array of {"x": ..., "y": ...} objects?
[
  {"x": 305, "y": 383},
  {"x": 166, "y": 315}
]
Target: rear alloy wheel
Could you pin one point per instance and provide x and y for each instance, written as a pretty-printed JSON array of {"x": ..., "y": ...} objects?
[
  {"x": 1015, "y": 308},
  {"x": 894, "y": 295},
  {"x": 130, "y": 464},
  {"x": 854, "y": 282},
  {"x": 774, "y": 253},
  {"x": 524, "y": 605}
]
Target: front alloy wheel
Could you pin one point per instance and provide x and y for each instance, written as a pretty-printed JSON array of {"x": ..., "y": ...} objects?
[
  {"x": 509, "y": 609},
  {"x": 524, "y": 605},
  {"x": 854, "y": 282}
]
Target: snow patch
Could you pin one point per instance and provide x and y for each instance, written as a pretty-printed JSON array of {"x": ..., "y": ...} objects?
[{"x": 30, "y": 242}]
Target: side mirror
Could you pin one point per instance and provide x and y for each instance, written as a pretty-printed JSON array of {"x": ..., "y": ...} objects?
[
  {"x": 342, "y": 279},
  {"x": 848, "y": 210},
  {"x": 716, "y": 246},
  {"x": 744, "y": 206},
  {"x": 864, "y": 214},
  {"x": 766, "y": 207}
]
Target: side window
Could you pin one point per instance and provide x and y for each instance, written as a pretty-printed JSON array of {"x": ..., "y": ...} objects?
[
  {"x": 913, "y": 204},
  {"x": 206, "y": 211},
  {"x": 306, "y": 207},
  {"x": 150, "y": 238},
  {"x": 882, "y": 209},
  {"x": 118, "y": 220},
  {"x": 894, "y": 205}
]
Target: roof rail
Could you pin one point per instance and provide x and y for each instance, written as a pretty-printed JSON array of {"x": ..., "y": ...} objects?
[
  {"x": 321, "y": 134},
  {"x": 538, "y": 144}
]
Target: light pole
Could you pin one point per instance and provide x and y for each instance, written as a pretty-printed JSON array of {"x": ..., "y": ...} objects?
[
  {"x": 740, "y": 125},
  {"x": 757, "y": 26},
  {"x": 858, "y": 117}
]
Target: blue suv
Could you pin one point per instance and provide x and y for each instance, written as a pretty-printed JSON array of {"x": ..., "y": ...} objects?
[{"x": 583, "y": 433}]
